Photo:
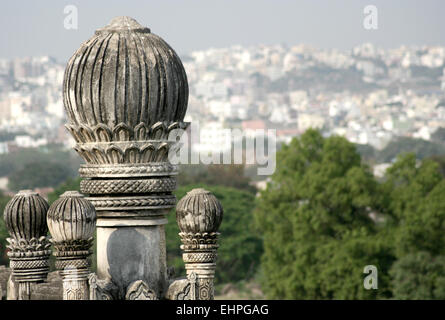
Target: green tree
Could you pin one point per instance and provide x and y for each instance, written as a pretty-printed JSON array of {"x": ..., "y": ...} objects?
[
  {"x": 416, "y": 205},
  {"x": 417, "y": 227},
  {"x": 315, "y": 220},
  {"x": 39, "y": 174},
  {"x": 240, "y": 247},
  {"x": 215, "y": 174},
  {"x": 421, "y": 148},
  {"x": 419, "y": 276}
]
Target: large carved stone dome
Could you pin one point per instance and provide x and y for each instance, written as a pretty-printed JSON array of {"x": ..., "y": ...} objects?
[{"x": 123, "y": 77}]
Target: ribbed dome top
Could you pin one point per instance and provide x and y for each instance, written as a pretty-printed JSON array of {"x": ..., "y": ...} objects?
[
  {"x": 71, "y": 217},
  {"x": 125, "y": 74},
  {"x": 25, "y": 215},
  {"x": 199, "y": 211}
]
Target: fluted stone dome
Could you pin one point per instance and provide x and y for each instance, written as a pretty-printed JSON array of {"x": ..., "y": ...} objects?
[
  {"x": 199, "y": 211},
  {"x": 25, "y": 215},
  {"x": 71, "y": 217},
  {"x": 124, "y": 77}
]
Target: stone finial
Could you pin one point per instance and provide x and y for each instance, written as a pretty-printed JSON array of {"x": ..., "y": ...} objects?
[
  {"x": 121, "y": 82},
  {"x": 29, "y": 248},
  {"x": 72, "y": 221},
  {"x": 199, "y": 212},
  {"x": 71, "y": 217},
  {"x": 25, "y": 215},
  {"x": 199, "y": 215}
]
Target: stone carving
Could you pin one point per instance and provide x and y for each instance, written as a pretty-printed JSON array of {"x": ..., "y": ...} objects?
[
  {"x": 125, "y": 78},
  {"x": 199, "y": 215},
  {"x": 135, "y": 202},
  {"x": 123, "y": 132},
  {"x": 100, "y": 289},
  {"x": 128, "y": 186},
  {"x": 126, "y": 171},
  {"x": 29, "y": 248},
  {"x": 125, "y": 93},
  {"x": 139, "y": 290},
  {"x": 71, "y": 221},
  {"x": 178, "y": 290},
  {"x": 199, "y": 212},
  {"x": 123, "y": 153}
]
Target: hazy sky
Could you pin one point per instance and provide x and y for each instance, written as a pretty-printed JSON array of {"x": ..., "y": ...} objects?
[{"x": 30, "y": 28}]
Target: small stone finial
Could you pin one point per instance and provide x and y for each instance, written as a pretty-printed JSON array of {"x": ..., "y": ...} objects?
[
  {"x": 199, "y": 212},
  {"x": 199, "y": 215},
  {"x": 25, "y": 215},
  {"x": 29, "y": 248},
  {"x": 71, "y": 217},
  {"x": 72, "y": 221}
]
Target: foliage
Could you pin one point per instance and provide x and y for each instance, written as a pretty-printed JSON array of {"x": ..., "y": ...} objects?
[
  {"x": 419, "y": 276},
  {"x": 416, "y": 206},
  {"x": 440, "y": 160},
  {"x": 222, "y": 175},
  {"x": 314, "y": 217},
  {"x": 421, "y": 148},
  {"x": 240, "y": 248},
  {"x": 25, "y": 164},
  {"x": 39, "y": 174}
]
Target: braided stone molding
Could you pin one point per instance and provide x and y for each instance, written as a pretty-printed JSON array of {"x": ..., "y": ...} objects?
[
  {"x": 62, "y": 264},
  {"x": 134, "y": 170},
  {"x": 146, "y": 202},
  {"x": 199, "y": 257},
  {"x": 127, "y": 186},
  {"x": 21, "y": 264}
]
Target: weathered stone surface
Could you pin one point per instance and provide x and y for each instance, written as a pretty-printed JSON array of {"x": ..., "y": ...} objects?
[
  {"x": 125, "y": 93},
  {"x": 122, "y": 77},
  {"x": 199, "y": 215},
  {"x": 199, "y": 212},
  {"x": 29, "y": 249},
  {"x": 51, "y": 289},
  {"x": 25, "y": 215},
  {"x": 4, "y": 277},
  {"x": 71, "y": 217},
  {"x": 72, "y": 221}
]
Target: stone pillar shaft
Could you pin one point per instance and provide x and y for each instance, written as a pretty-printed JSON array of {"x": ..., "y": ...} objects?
[{"x": 132, "y": 250}]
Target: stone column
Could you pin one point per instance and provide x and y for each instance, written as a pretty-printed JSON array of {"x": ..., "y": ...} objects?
[
  {"x": 199, "y": 215},
  {"x": 71, "y": 221},
  {"x": 29, "y": 248},
  {"x": 125, "y": 93}
]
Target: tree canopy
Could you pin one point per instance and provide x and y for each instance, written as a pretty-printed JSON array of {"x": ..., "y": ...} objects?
[{"x": 324, "y": 217}]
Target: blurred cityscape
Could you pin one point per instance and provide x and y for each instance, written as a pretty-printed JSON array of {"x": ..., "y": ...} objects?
[{"x": 367, "y": 94}]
